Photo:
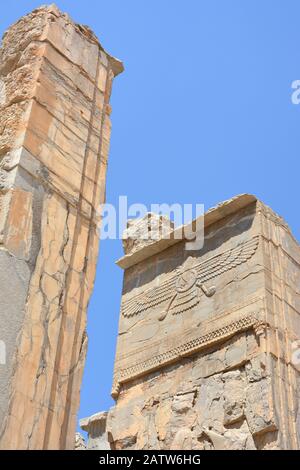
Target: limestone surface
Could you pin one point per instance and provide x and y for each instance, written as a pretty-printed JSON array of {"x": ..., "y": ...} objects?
[
  {"x": 55, "y": 86},
  {"x": 95, "y": 426},
  {"x": 206, "y": 344}
]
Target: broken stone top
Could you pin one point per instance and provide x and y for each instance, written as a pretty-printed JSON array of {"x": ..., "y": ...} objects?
[
  {"x": 97, "y": 417},
  {"x": 49, "y": 13},
  {"x": 143, "y": 231},
  {"x": 137, "y": 249}
]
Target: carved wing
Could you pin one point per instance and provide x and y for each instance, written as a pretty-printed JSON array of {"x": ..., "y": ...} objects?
[
  {"x": 205, "y": 271},
  {"x": 227, "y": 260},
  {"x": 150, "y": 298}
]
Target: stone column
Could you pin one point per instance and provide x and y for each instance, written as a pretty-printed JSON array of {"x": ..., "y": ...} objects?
[{"x": 55, "y": 85}]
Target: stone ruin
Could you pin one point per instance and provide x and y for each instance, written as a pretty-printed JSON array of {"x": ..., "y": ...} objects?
[
  {"x": 208, "y": 346},
  {"x": 55, "y": 86}
]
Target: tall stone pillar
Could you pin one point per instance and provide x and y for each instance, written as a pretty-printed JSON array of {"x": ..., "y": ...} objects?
[
  {"x": 208, "y": 352},
  {"x": 55, "y": 85}
]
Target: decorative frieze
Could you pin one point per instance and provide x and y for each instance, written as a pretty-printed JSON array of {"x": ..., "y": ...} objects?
[{"x": 181, "y": 290}]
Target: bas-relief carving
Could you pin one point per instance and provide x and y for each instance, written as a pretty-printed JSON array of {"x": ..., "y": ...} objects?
[
  {"x": 185, "y": 349},
  {"x": 195, "y": 371},
  {"x": 179, "y": 292},
  {"x": 232, "y": 403}
]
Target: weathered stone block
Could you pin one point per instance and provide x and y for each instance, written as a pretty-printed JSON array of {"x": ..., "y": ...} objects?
[
  {"x": 203, "y": 358},
  {"x": 55, "y": 85}
]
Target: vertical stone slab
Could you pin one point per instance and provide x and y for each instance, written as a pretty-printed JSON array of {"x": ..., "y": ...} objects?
[
  {"x": 204, "y": 354},
  {"x": 282, "y": 277},
  {"x": 55, "y": 86}
]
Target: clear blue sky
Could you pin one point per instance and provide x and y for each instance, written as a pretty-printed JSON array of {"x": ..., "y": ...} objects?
[{"x": 202, "y": 112}]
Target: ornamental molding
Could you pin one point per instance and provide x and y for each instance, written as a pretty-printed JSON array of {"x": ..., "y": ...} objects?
[{"x": 195, "y": 345}]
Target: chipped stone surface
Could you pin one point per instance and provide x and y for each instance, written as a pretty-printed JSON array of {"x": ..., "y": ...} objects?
[
  {"x": 79, "y": 442},
  {"x": 95, "y": 426},
  {"x": 55, "y": 85},
  {"x": 203, "y": 358},
  {"x": 141, "y": 232}
]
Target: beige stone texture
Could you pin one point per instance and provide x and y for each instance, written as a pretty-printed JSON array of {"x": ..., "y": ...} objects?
[
  {"x": 95, "y": 426},
  {"x": 55, "y": 85},
  {"x": 203, "y": 356},
  {"x": 79, "y": 442}
]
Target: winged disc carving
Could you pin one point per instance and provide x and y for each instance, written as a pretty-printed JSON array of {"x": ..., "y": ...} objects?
[{"x": 182, "y": 289}]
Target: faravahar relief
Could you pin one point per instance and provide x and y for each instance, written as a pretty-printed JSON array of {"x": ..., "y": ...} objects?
[{"x": 183, "y": 288}]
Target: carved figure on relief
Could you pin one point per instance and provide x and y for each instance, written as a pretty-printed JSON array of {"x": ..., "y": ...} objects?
[{"x": 182, "y": 290}]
